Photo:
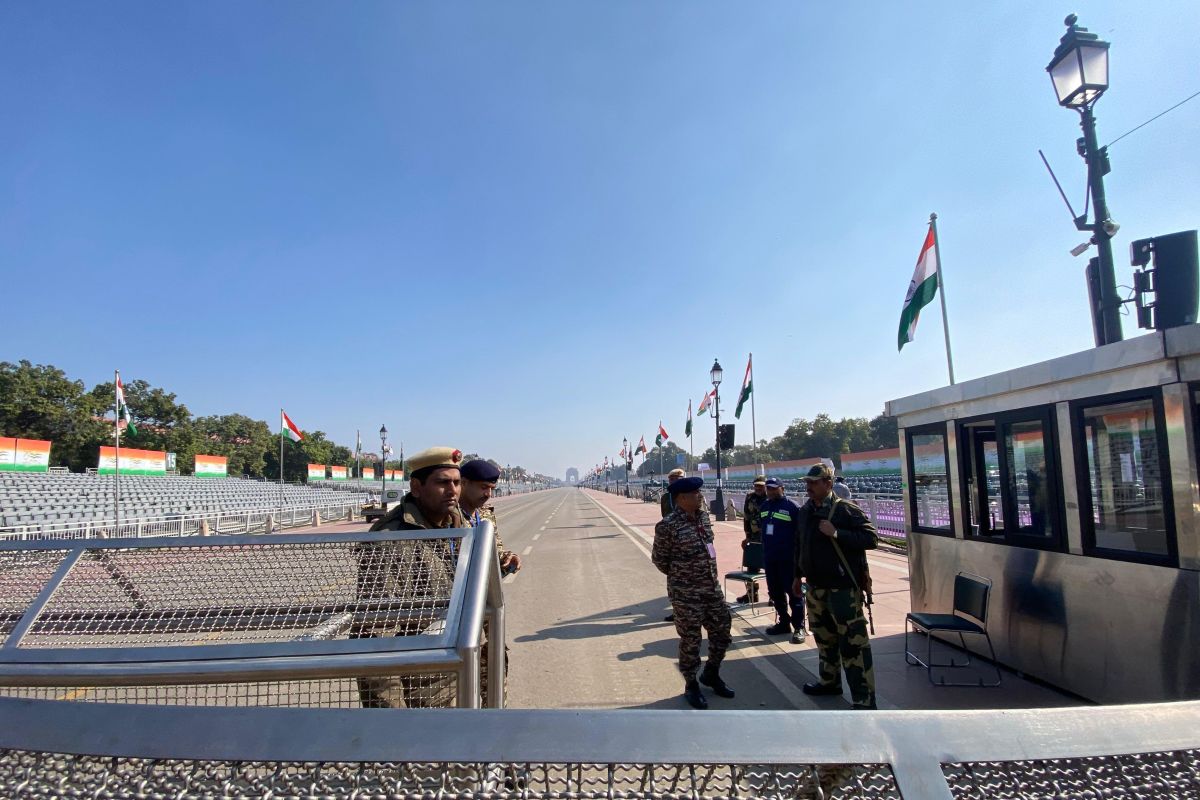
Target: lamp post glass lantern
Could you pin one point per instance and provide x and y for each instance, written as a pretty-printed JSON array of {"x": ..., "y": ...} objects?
[
  {"x": 1079, "y": 73},
  {"x": 716, "y": 374}
]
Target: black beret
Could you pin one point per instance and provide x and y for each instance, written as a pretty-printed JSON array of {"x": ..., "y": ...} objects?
[
  {"x": 480, "y": 470},
  {"x": 685, "y": 485}
]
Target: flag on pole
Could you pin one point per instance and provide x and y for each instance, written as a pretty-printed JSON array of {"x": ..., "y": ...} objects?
[
  {"x": 747, "y": 388},
  {"x": 662, "y": 435},
  {"x": 641, "y": 448},
  {"x": 921, "y": 289},
  {"x": 687, "y": 429},
  {"x": 123, "y": 409},
  {"x": 622, "y": 452},
  {"x": 704, "y": 404},
  {"x": 289, "y": 428}
]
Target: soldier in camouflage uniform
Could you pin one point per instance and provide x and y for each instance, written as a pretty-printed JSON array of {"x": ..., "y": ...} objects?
[
  {"x": 752, "y": 525},
  {"x": 684, "y": 552},
  {"x": 390, "y": 571},
  {"x": 835, "y": 597}
]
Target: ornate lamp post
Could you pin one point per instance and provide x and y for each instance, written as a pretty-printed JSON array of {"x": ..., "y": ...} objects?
[
  {"x": 383, "y": 458},
  {"x": 628, "y": 462},
  {"x": 1079, "y": 72},
  {"x": 716, "y": 374}
]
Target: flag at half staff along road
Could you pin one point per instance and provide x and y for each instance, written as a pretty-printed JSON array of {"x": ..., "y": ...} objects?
[
  {"x": 921, "y": 289},
  {"x": 289, "y": 428},
  {"x": 662, "y": 435}
]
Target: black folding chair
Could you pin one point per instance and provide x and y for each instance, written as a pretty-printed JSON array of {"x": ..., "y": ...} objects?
[
  {"x": 970, "y": 616},
  {"x": 750, "y": 573}
]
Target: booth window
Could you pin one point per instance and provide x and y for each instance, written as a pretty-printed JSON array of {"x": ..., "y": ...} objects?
[
  {"x": 1126, "y": 505},
  {"x": 929, "y": 493},
  {"x": 1028, "y": 476}
]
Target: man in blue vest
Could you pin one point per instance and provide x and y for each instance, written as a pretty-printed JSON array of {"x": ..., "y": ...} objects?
[{"x": 777, "y": 523}]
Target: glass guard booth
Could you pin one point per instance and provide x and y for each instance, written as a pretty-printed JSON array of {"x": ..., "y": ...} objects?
[{"x": 1072, "y": 485}]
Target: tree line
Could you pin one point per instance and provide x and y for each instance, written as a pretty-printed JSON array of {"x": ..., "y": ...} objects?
[
  {"x": 822, "y": 437},
  {"x": 42, "y": 402}
]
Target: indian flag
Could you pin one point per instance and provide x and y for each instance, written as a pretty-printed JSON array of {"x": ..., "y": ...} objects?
[
  {"x": 288, "y": 428},
  {"x": 921, "y": 289},
  {"x": 705, "y": 403},
  {"x": 662, "y": 435},
  {"x": 123, "y": 408},
  {"x": 687, "y": 429}
]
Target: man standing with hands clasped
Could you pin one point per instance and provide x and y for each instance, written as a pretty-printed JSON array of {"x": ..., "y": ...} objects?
[
  {"x": 778, "y": 517},
  {"x": 833, "y": 537},
  {"x": 684, "y": 552}
]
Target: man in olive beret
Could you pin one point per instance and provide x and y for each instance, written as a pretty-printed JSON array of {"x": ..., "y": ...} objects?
[{"x": 388, "y": 571}]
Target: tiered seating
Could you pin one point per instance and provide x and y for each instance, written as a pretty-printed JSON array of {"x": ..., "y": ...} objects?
[
  {"x": 49, "y": 499},
  {"x": 874, "y": 484}
]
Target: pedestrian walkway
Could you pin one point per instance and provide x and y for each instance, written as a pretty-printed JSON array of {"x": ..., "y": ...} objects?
[{"x": 898, "y": 685}]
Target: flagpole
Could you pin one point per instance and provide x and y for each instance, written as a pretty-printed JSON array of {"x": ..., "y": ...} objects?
[
  {"x": 281, "y": 467},
  {"x": 117, "y": 449},
  {"x": 937, "y": 251},
  {"x": 691, "y": 432},
  {"x": 660, "y": 449},
  {"x": 753, "y": 425}
]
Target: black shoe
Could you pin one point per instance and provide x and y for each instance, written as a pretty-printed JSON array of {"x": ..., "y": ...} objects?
[
  {"x": 669, "y": 618},
  {"x": 779, "y": 629},
  {"x": 744, "y": 599},
  {"x": 712, "y": 679},
  {"x": 694, "y": 696},
  {"x": 818, "y": 688}
]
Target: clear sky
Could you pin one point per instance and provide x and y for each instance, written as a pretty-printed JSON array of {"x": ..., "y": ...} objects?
[{"x": 526, "y": 228}]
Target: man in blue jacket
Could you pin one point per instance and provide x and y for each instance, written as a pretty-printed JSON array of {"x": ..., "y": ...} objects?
[{"x": 778, "y": 517}]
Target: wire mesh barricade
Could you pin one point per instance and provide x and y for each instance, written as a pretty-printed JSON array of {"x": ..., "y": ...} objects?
[{"x": 379, "y": 620}]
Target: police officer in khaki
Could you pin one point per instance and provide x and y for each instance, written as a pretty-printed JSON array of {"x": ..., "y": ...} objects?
[
  {"x": 833, "y": 537},
  {"x": 479, "y": 479},
  {"x": 420, "y": 569}
]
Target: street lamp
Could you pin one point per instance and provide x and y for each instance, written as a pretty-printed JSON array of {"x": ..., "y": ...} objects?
[
  {"x": 383, "y": 458},
  {"x": 1079, "y": 72},
  {"x": 628, "y": 462},
  {"x": 716, "y": 374}
]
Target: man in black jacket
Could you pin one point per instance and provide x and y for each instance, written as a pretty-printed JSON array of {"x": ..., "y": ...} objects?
[{"x": 833, "y": 537}]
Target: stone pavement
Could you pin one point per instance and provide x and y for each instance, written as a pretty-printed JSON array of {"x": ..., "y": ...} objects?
[{"x": 898, "y": 685}]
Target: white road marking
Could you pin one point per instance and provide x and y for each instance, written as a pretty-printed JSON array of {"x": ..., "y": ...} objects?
[
  {"x": 536, "y": 536},
  {"x": 527, "y": 550},
  {"x": 624, "y": 527},
  {"x": 541, "y": 529}
]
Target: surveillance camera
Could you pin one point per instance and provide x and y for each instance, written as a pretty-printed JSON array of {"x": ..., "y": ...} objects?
[
  {"x": 1111, "y": 227},
  {"x": 1080, "y": 249}
]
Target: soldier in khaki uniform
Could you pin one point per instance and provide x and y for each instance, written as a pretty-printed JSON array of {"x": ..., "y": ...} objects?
[
  {"x": 388, "y": 571},
  {"x": 664, "y": 502},
  {"x": 833, "y": 537},
  {"x": 684, "y": 552}
]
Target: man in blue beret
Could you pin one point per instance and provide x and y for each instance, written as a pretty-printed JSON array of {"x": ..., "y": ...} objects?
[
  {"x": 479, "y": 479},
  {"x": 684, "y": 552}
]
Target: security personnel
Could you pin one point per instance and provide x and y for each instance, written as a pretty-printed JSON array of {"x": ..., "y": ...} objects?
[
  {"x": 479, "y": 479},
  {"x": 684, "y": 552},
  {"x": 390, "y": 571},
  {"x": 664, "y": 502},
  {"x": 751, "y": 510},
  {"x": 834, "y": 536},
  {"x": 779, "y": 516}
]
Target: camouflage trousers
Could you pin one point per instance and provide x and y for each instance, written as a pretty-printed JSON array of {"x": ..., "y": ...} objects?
[
  {"x": 433, "y": 690},
  {"x": 692, "y": 614},
  {"x": 835, "y": 617}
]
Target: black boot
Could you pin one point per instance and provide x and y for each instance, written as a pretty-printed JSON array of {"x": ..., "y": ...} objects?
[
  {"x": 693, "y": 695},
  {"x": 711, "y": 677}
]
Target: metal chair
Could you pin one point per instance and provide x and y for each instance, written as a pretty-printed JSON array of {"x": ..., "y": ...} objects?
[
  {"x": 751, "y": 572},
  {"x": 971, "y": 594}
]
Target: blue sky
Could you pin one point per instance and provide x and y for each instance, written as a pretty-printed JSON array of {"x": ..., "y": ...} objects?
[{"x": 526, "y": 229}]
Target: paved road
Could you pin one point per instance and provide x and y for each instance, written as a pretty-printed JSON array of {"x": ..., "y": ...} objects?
[{"x": 586, "y": 618}]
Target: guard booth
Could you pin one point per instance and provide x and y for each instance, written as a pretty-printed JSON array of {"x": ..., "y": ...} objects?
[
  {"x": 389, "y": 619},
  {"x": 1072, "y": 486}
]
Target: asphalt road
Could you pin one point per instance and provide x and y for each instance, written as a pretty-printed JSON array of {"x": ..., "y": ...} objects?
[{"x": 585, "y": 618}]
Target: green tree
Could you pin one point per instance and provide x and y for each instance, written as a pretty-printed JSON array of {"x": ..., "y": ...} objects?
[
  {"x": 242, "y": 440},
  {"x": 162, "y": 422},
  {"x": 884, "y": 432},
  {"x": 41, "y": 402}
]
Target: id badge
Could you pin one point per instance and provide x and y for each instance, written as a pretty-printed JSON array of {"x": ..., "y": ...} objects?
[
  {"x": 712, "y": 551},
  {"x": 770, "y": 529}
]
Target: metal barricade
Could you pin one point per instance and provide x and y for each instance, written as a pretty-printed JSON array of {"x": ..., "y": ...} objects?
[{"x": 387, "y": 619}]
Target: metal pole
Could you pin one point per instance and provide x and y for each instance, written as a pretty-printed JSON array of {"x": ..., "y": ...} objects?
[
  {"x": 281, "y": 466},
  {"x": 117, "y": 449},
  {"x": 937, "y": 253},
  {"x": 691, "y": 434},
  {"x": 717, "y": 416},
  {"x": 1097, "y": 165},
  {"x": 753, "y": 424}
]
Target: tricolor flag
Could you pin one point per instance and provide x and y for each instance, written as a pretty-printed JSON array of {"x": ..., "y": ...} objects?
[
  {"x": 288, "y": 428},
  {"x": 687, "y": 429},
  {"x": 704, "y": 404},
  {"x": 662, "y": 435},
  {"x": 123, "y": 409},
  {"x": 622, "y": 452},
  {"x": 921, "y": 289},
  {"x": 641, "y": 448},
  {"x": 747, "y": 388}
]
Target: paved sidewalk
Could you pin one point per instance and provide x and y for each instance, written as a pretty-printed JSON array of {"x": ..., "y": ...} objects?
[{"x": 898, "y": 685}]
